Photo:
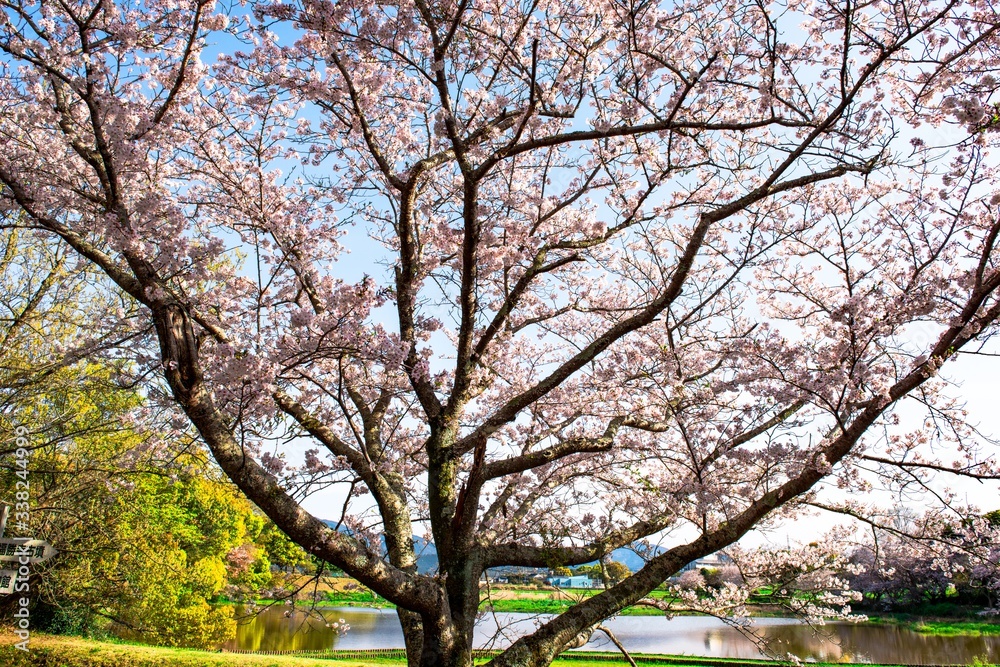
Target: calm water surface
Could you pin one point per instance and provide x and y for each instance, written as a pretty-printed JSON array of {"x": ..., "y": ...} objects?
[{"x": 271, "y": 630}]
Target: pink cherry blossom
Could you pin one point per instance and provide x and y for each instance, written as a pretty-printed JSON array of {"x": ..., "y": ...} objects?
[{"x": 541, "y": 280}]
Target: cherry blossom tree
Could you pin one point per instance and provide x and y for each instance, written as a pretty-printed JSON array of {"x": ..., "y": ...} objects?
[
  {"x": 631, "y": 269},
  {"x": 912, "y": 561}
]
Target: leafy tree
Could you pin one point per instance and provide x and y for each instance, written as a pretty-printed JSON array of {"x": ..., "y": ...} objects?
[
  {"x": 712, "y": 576},
  {"x": 140, "y": 551},
  {"x": 592, "y": 571},
  {"x": 616, "y": 572},
  {"x": 282, "y": 552},
  {"x": 929, "y": 560},
  {"x": 630, "y": 266},
  {"x": 147, "y": 533}
]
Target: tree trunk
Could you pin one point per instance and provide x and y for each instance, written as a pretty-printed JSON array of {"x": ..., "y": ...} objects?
[
  {"x": 444, "y": 645},
  {"x": 447, "y": 640},
  {"x": 413, "y": 635}
]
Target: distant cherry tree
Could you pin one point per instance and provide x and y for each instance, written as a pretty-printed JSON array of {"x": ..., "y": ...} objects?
[
  {"x": 537, "y": 279},
  {"x": 929, "y": 559}
]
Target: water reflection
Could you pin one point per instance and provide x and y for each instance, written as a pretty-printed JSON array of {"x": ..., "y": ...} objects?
[
  {"x": 840, "y": 642},
  {"x": 273, "y": 630},
  {"x": 694, "y": 635}
]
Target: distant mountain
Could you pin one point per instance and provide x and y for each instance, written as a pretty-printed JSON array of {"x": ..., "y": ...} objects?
[
  {"x": 427, "y": 555},
  {"x": 635, "y": 557},
  {"x": 427, "y": 558}
]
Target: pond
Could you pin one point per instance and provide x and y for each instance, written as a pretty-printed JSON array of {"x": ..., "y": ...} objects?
[{"x": 271, "y": 630}]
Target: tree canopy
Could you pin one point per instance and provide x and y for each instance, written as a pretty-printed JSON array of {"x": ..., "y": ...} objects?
[{"x": 621, "y": 269}]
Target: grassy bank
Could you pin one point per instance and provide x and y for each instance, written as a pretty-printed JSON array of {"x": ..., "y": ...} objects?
[
  {"x": 951, "y": 621},
  {"x": 526, "y": 600},
  {"x": 355, "y": 599},
  {"x": 949, "y": 628},
  {"x": 556, "y": 602},
  {"x": 553, "y": 607},
  {"x": 53, "y": 651},
  {"x": 943, "y": 626},
  {"x": 937, "y": 619},
  {"x": 57, "y": 651}
]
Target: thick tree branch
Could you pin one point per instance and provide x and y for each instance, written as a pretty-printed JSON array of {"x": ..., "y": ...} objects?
[
  {"x": 509, "y": 411},
  {"x": 968, "y": 471},
  {"x": 526, "y": 555},
  {"x": 542, "y": 646}
]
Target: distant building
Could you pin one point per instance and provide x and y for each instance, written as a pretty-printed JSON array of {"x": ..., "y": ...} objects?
[
  {"x": 576, "y": 581},
  {"x": 514, "y": 575},
  {"x": 712, "y": 561}
]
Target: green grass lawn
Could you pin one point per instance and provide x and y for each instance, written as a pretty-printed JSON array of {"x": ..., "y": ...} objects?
[
  {"x": 944, "y": 626},
  {"x": 363, "y": 598},
  {"x": 53, "y": 651},
  {"x": 548, "y": 601},
  {"x": 527, "y": 600},
  {"x": 554, "y": 607},
  {"x": 58, "y": 651},
  {"x": 951, "y": 628}
]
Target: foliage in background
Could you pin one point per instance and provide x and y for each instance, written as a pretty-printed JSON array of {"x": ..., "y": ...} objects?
[
  {"x": 928, "y": 564},
  {"x": 148, "y": 532}
]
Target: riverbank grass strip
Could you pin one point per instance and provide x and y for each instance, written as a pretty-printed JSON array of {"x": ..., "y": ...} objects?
[
  {"x": 53, "y": 651},
  {"x": 955, "y": 628},
  {"x": 58, "y": 651}
]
